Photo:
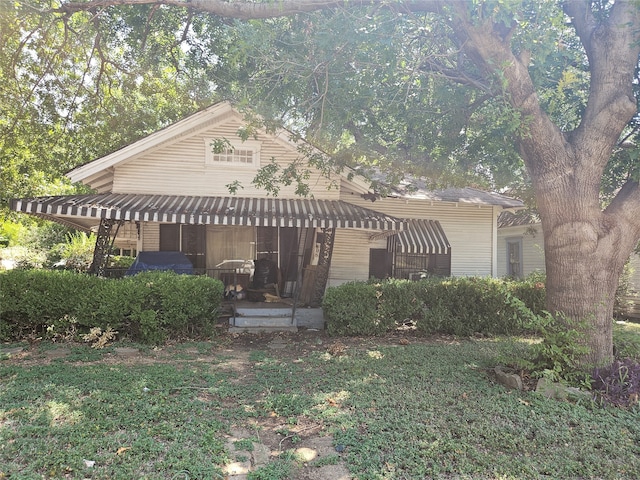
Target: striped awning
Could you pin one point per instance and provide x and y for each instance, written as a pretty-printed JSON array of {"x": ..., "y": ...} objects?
[
  {"x": 422, "y": 236},
  {"x": 77, "y": 209}
]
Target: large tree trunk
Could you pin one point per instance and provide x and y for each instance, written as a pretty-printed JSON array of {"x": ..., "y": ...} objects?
[
  {"x": 582, "y": 277},
  {"x": 585, "y": 247}
]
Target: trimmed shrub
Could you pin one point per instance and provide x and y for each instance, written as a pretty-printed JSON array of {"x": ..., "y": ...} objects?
[
  {"x": 148, "y": 307},
  {"x": 33, "y": 300},
  {"x": 173, "y": 298},
  {"x": 470, "y": 305},
  {"x": 531, "y": 291},
  {"x": 350, "y": 309},
  {"x": 397, "y": 301},
  {"x": 457, "y": 306}
]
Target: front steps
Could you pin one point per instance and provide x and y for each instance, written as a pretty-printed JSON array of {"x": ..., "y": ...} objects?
[{"x": 275, "y": 319}]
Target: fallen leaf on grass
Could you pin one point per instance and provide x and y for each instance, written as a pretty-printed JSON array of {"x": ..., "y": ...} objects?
[
  {"x": 332, "y": 402},
  {"x": 121, "y": 450}
]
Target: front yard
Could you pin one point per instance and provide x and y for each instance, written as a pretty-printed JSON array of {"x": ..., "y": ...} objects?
[{"x": 296, "y": 406}]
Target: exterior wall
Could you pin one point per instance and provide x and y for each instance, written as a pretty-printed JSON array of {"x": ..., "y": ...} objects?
[
  {"x": 127, "y": 237},
  {"x": 150, "y": 233},
  {"x": 350, "y": 258},
  {"x": 180, "y": 168},
  {"x": 533, "y": 252},
  {"x": 532, "y": 248},
  {"x": 635, "y": 273},
  {"x": 470, "y": 230}
]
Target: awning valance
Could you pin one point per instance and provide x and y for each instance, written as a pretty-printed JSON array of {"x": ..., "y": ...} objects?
[
  {"x": 422, "y": 236},
  {"x": 77, "y": 209}
]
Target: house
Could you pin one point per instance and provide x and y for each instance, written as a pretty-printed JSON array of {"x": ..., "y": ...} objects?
[
  {"x": 170, "y": 191},
  {"x": 520, "y": 244}
]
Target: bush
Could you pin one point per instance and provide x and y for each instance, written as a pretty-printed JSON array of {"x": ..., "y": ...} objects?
[
  {"x": 184, "y": 305},
  {"x": 470, "y": 305},
  {"x": 396, "y": 301},
  {"x": 626, "y": 340},
  {"x": 33, "y": 300},
  {"x": 558, "y": 356},
  {"x": 148, "y": 307},
  {"x": 350, "y": 309},
  {"x": 531, "y": 291},
  {"x": 458, "y": 306}
]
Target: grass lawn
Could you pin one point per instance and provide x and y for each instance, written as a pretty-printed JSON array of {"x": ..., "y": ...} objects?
[{"x": 428, "y": 409}]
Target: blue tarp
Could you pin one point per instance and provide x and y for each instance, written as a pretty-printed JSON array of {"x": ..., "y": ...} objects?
[{"x": 176, "y": 261}]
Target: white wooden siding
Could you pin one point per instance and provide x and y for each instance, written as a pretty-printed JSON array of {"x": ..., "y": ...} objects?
[
  {"x": 635, "y": 272},
  {"x": 150, "y": 233},
  {"x": 469, "y": 229},
  {"x": 350, "y": 258},
  {"x": 532, "y": 248},
  {"x": 180, "y": 168}
]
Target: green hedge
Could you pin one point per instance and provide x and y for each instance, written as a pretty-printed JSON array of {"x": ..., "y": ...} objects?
[
  {"x": 459, "y": 306},
  {"x": 148, "y": 307},
  {"x": 531, "y": 291},
  {"x": 350, "y": 309}
]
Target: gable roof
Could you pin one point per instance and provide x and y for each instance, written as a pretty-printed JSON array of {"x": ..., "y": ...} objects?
[
  {"x": 173, "y": 132},
  {"x": 517, "y": 219},
  {"x": 101, "y": 169},
  {"x": 100, "y": 172}
]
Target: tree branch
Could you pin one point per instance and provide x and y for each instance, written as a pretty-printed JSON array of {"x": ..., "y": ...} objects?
[
  {"x": 625, "y": 206},
  {"x": 246, "y": 10},
  {"x": 612, "y": 47},
  {"x": 488, "y": 49}
]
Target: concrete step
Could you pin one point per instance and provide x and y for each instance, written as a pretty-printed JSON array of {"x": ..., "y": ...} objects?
[
  {"x": 265, "y": 319},
  {"x": 257, "y": 329},
  {"x": 255, "y": 321},
  {"x": 263, "y": 312},
  {"x": 254, "y": 324}
]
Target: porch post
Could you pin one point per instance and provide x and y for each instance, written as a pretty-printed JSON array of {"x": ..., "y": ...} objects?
[
  {"x": 324, "y": 262},
  {"x": 104, "y": 242}
]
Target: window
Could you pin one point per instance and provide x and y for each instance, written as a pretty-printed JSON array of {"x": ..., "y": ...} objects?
[
  {"x": 415, "y": 265},
  {"x": 240, "y": 154},
  {"x": 514, "y": 257},
  {"x": 189, "y": 239}
]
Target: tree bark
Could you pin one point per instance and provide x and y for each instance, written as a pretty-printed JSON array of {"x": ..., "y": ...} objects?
[{"x": 585, "y": 247}]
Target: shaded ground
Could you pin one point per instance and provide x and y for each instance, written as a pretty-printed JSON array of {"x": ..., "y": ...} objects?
[
  {"x": 402, "y": 406},
  {"x": 255, "y": 444}
]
